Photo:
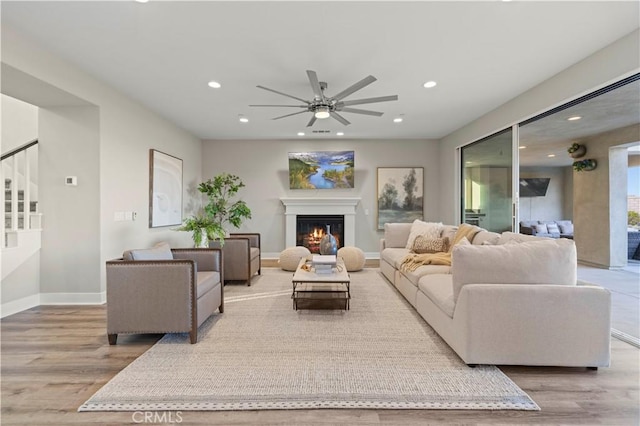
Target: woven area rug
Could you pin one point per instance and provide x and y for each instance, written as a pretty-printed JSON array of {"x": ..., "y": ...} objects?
[{"x": 262, "y": 355}]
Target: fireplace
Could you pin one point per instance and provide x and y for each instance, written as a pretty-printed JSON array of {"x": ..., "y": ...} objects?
[
  {"x": 311, "y": 228},
  {"x": 346, "y": 207}
]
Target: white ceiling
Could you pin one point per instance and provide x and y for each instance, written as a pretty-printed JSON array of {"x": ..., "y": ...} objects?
[{"x": 481, "y": 53}]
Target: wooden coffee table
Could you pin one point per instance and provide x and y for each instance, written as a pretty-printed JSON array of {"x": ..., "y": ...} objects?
[{"x": 307, "y": 284}]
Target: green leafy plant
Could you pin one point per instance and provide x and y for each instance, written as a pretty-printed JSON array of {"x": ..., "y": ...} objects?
[
  {"x": 583, "y": 165},
  {"x": 573, "y": 148},
  {"x": 221, "y": 209},
  {"x": 195, "y": 225}
]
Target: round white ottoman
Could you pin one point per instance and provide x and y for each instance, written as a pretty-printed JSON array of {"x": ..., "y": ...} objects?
[
  {"x": 353, "y": 258},
  {"x": 290, "y": 257}
]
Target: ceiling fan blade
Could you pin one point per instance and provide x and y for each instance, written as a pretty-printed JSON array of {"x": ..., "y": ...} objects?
[
  {"x": 315, "y": 84},
  {"x": 281, "y": 106},
  {"x": 340, "y": 118},
  {"x": 288, "y": 115},
  {"x": 283, "y": 94},
  {"x": 313, "y": 120},
  {"x": 362, "y": 111},
  {"x": 370, "y": 100},
  {"x": 355, "y": 87}
]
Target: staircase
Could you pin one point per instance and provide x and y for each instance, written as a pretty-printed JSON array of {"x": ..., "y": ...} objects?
[{"x": 21, "y": 227}]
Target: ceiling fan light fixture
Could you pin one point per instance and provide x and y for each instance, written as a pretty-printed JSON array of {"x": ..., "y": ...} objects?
[{"x": 322, "y": 112}]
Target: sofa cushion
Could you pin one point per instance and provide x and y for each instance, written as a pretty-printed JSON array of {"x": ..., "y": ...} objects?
[
  {"x": 424, "y": 244},
  {"x": 508, "y": 236},
  {"x": 394, "y": 256},
  {"x": 449, "y": 231},
  {"x": 396, "y": 234},
  {"x": 533, "y": 262},
  {"x": 430, "y": 230},
  {"x": 486, "y": 237},
  {"x": 161, "y": 251},
  {"x": 439, "y": 289},
  {"x": 421, "y": 271},
  {"x": 206, "y": 280},
  {"x": 553, "y": 228}
]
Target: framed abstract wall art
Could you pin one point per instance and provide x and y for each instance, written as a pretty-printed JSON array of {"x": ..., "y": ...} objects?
[
  {"x": 321, "y": 170},
  {"x": 400, "y": 194},
  {"x": 165, "y": 189}
]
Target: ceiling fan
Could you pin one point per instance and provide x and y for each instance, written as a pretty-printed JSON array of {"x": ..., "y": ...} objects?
[{"x": 323, "y": 106}]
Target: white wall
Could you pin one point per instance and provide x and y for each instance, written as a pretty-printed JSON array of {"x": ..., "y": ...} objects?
[
  {"x": 263, "y": 166},
  {"x": 19, "y": 123},
  {"x": 614, "y": 62},
  {"x": 120, "y": 133}
]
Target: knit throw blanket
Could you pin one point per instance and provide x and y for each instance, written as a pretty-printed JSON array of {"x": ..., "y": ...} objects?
[{"x": 414, "y": 260}]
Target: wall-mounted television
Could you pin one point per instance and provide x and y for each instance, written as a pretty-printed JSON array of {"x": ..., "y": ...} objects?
[{"x": 534, "y": 187}]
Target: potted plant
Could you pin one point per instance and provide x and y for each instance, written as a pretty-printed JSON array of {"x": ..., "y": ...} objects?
[
  {"x": 221, "y": 209},
  {"x": 584, "y": 165},
  {"x": 201, "y": 227},
  {"x": 577, "y": 150}
]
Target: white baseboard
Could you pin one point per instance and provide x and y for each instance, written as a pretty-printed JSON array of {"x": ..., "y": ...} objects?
[
  {"x": 19, "y": 305},
  {"x": 73, "y": 298},
  {"x": 29, "y": 302}
]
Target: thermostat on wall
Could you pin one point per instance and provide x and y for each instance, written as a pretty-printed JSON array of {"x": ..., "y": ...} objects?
[{"x": 71, "y": 181}]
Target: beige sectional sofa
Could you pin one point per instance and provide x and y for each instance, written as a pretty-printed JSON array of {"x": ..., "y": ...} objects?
[{"x": 506, "y": 299}]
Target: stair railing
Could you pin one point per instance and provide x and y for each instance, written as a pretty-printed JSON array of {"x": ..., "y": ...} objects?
[{"x": 11, "y": 162}]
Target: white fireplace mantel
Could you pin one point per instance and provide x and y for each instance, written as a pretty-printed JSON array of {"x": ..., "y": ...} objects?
[{"x": 310, "y": 206}]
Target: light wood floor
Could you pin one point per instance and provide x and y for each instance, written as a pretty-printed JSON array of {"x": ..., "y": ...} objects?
[{"x": 55, "y": 357}]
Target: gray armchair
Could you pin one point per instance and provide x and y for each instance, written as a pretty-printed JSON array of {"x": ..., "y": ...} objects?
[
  {"x": 171, "y": 292},
  {"x": 241, "y": 256}
]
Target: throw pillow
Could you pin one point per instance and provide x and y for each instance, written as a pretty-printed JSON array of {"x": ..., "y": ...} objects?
[
  {"x": 552, "y": 228},
  {"x": 423, "y": 244},
  {"x": 161, "y": 251},
  {"x": 533, "y": 262},
  {"x": 429, "y": 230},
  {"x": 566, "y": 229},
  {"x": 541, "y": 228}
]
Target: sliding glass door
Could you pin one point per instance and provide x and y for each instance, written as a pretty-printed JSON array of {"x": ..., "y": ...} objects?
[{"x": 487, "y": 182}]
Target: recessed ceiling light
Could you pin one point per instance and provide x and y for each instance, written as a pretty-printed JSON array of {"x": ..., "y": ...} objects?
[
  {"x": 214, "y": 84},
  {"x": 340, "y": 134},
  {"x": 468, "y": 162},
  {"x": 397, "y": 120},
  {"x": 300, "y": 133},
  {"x": 551, "y": 155},
  {"x": 574, "y": 118},
  {"x": 522, "y": 147},
  {"x": 141, "y": 1},
  {"x": 244, "y": 119},
  {"x": 430, "y": 84}
]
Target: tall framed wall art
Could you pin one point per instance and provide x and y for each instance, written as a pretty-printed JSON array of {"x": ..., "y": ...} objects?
[
  {"x": 400, "y": 193},
  {"x": 165, "y": 189}
]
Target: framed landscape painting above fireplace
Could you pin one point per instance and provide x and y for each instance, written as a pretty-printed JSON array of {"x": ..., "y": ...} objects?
[
  {"x": 400, "y": 194},
  {"x": 321, "y": 170}
]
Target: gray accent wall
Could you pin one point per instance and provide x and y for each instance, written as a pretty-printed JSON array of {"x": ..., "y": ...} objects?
[{"x": 263, "y": 166}]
